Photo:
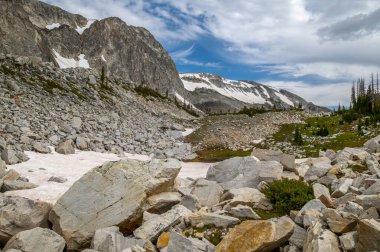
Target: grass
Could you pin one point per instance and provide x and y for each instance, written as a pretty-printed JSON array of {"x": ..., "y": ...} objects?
[
  {"x": 265, "y": 215},
  {"x": 213, "y": 234},
  {"x": 341, "y": 135},
  {"x": 218, "y": 155},
  {"x": 288, "y": 194}
]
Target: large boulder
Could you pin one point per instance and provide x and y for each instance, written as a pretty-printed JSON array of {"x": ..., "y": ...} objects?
[
  {"x": 288, "y": 161},
  {"x": 318, "y": 168},
  {"x": 373, "y": 165},
  {"x": 10, "y": 157},
  {"x": 257, "y": 235},
  {"x": 369, "y": 235},
  {"x": 114, "y": 194},
  {"x": 241, "y": 172},
  {"x": 207, "y": 192},
  {"x": 19, "y": 214},
  {"x": 36, "y": 239}
]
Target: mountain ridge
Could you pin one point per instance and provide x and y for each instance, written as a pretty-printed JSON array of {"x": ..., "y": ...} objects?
[{"x": 218, "y": 94}]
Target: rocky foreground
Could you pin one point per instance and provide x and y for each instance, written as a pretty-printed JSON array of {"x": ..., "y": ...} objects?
[{"x": 133, "y": 205}]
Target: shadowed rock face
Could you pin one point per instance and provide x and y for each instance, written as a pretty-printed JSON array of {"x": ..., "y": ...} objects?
[{"x": 126, "y": 52}]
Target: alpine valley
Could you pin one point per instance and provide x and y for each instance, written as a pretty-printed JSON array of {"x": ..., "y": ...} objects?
[{"x": 105, "y": 147}]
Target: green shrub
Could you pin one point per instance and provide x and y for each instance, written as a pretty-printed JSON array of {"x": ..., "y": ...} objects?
[
  {"x": 148, "y": 92},
  {"x": 286, "y": 195}
]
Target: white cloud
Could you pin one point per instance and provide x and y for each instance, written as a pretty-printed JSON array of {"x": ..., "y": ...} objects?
[{"x": 324, "y": 95}]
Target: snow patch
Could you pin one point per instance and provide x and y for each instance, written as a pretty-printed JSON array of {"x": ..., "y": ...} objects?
[
  {"x": 53, "y": 26},
  {"x": 284, "y": 98},
  {"x": 102, "y": 57},
  {"x": 83, "y": 62},
  {"x": 80, "y": 30},
  {"x": 187, "y": 132},
  {"x": 40, "y": 167},
  {"x": 70, "y": 63}
]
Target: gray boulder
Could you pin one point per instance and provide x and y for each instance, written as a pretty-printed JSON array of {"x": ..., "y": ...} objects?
[
  {"x": 114, "y": 194},
  {"x": 36, "y": 239},
  {"x": 288, "y": 161},
  {"x": 319, "y": 167},
  {"x": 314, "y": 204},
  {"x": 349, "y": 241},
  {"x": 18, "y": 214},
  {"x": 13, "y": 185},
  {"x": 10, "y": 157},
  {"x": 241, "y": 172},
  {"x": 373, "y": 189},
  {"x": 207, "y": 192},
  {"x": 41, "y": 148},
  {"x": 373, "y": 165},
  {"x": 66, "y": 147}
]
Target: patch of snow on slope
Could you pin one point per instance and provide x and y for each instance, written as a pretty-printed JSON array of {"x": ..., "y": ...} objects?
[
  {"x": 265, "y": 92},
  {"x": 53, "y": 26},
  {"x": 191, "y": 86},
  {"x": 70, "y": 63},
  {"x": 231, "y": 90},
  {"x": 83, "y": 62},
  {"x": 80, "y": 30},
  {"x": 41, "y": 167},
  {"x": 284, "y": 98},
  {"x": 102, "y": 57}
]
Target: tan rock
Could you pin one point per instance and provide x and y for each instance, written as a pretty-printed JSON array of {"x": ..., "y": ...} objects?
[
  {"x": 163, "y": 240},
  {"x": 257, "y": 235}
]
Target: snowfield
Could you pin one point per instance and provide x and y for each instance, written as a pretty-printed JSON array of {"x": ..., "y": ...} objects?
[{"x": 41, "y": 167}]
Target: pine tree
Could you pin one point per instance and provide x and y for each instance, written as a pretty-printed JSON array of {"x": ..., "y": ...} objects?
[
  {"x": 353, "y": 94},
  {"x": 297, "y": 137}
]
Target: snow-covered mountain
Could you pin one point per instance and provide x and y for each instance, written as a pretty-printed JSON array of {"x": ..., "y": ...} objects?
[{"x": 212, "y": 93}]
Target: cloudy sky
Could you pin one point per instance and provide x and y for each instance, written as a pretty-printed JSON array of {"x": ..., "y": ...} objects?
[{"x": 314, "y": 48}]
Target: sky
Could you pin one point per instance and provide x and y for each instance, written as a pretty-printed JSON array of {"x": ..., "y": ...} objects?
[{"x": 314, "y": 48}]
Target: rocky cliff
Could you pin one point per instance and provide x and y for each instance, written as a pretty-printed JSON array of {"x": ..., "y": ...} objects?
[{"x": 35, "y": 29}]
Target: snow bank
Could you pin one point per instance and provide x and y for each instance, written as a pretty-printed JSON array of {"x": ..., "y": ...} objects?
[
  {"x": 53, "y": 26},
  {"x": 70, "y": 63},
  {"x": 80, "y": 30},
  {"x": 41, "y": 167}
]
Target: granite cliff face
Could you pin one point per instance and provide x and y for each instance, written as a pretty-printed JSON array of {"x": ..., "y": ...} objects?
[{"x": 131, "y": 54}]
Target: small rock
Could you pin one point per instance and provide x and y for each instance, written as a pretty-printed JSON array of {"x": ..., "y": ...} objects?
[
  {"x": 57, "y": 179},
  {"x": 41, "y": 148},
  {"x": 66, "y": 147}
]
